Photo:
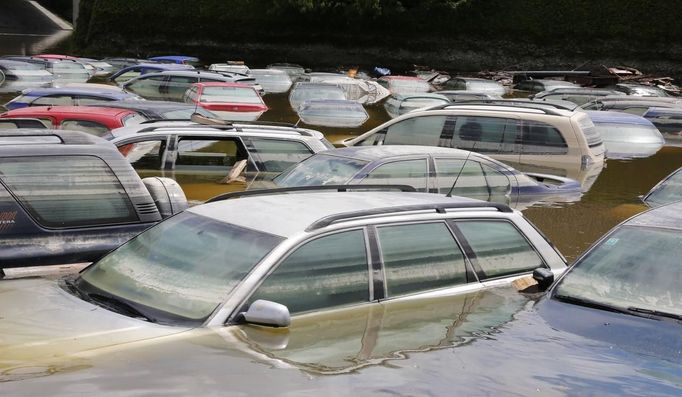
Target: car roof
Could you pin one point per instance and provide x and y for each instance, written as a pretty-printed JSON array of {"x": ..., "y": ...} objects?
[
  {"x": 372, "y": 153},
  {"x": 174, "y": 58},
  {"x": 103, "y": 92},
  {"x": 12, "y": 62},
  {"x": 45, "y": 110},
  {"x": 617, "y": 117},
  {"x": 634, "y": 98},
  {"x": 657, "y": 111},
  {"x": 165, "y": 127},
  {"x": 221, "y": 84},
  {"x": 184, "y": 72},
  {"x": 288, "y": 214},
  {"x": 67, "y": 137},
  {"x": 667, "y": 216},
  {"x": 403, "y": 78},
  {"x": 145, "y": 105}
]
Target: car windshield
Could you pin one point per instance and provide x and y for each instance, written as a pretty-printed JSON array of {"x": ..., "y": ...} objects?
[
  {"x": 321, "y": 170},
  {"x": 634, "y": 267},
  {"x": 230, "y": 94},
  {"x": 667, "y": 192},
  {"x": 181, "y": 269}
]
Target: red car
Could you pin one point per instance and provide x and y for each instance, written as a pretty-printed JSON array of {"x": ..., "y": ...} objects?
[
  {"x": 93, "y": 120},
  {"x": 230, "y": 101}
]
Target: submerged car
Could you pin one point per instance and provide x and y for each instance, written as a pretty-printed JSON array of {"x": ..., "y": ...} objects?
[
  {"x": 476, "y": 84},
  {"x": 332, "y": 113},
  {"x": 577, "y": 95},
  {"x": 362, "y": 91},
  {"x": 430, "y": 169},
  {"x": 625, "y": 289},
  {"x": 229, "y": 101},
  {"x": 525, "y": 132},
  {"x": 461, "y": 95},
  {"x": 306, "y": 91},
  {"x": 180, "y": 59},
  {"x": 171, "y": 85},
  {"x": 16, "y": 76},
  {"x": 211, "y": 159},
  {"x": 666, "y": 191},
  {"x": 137, "y": 70},
  {"x": 272, "y": 80},
  {"x": 67, "y": 97},
  {"x": 397, "y": 105},
  {"x": 69, "y": 197},
  {"x": 626, "y": 135},
  {"x": 404, "y": 84},
  {"x": 632, "y": 104},
  {"x": 540, "y": 85},
  {"x": 267, "y": 260},
  {"x": 95, "y": 121},
  {"x": 160, "y": 110},
  {"x": 63, "y": 71},
  {"x": 640, "y": 90},
  {"x": 294, "y": 71},
  {"x": 230, "y": 67},
  {"x": 668, "y": 120}
]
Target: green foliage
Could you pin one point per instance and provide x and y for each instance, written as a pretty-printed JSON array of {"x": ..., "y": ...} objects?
[{"x": 399, "y": 22}]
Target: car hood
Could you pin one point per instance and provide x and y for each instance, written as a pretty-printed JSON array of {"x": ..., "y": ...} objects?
[{"x": 41, "y": 323}]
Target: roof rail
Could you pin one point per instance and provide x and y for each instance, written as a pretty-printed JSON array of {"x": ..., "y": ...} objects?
[
  {"x": 228, "y": 127},
  {"x": 540, "y": 106},
  {"x": 438, "y": 207},
  {"x": 338, "y": 188},
  {"x": 162, "y": 120}
]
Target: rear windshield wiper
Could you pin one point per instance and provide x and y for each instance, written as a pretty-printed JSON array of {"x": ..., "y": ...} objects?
[
  {"x": 655, "y": 312},
  {"x": 119, "y": 306}
]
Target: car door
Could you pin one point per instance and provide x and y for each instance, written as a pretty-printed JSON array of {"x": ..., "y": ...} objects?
[
  {"x": 326, "y": 272},
  {"x": 202, "y": 165}
]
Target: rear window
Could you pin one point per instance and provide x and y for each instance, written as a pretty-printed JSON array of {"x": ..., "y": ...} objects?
[
  {"x": 278, "y": 155},
  {"x": 592, "y": 136},
  {"x": 230, "y": 94},
  {"x": 67, "y": 191}
]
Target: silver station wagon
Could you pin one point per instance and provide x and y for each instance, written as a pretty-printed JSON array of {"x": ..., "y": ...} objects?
[{"x": 261, "y": 259}]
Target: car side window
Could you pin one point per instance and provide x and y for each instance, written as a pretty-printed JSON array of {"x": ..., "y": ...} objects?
[
  {"x": 85, "y": 100},
  {"x": 636, "y": 110},
  {"x": 424, "y": 130},
  {"x": 499, "y": 248},
  {"x": 54, "y": 100},
  {"x": 541, "y": 138},
  {"x": 177, "y": 85},
  {"x": 91, "y": 127},
  {"x": 145, "y": 155},
  {"x": 485, "y": 134},
  {"x": 67, "y": 191},
  {"x": 147, "y": 86},
  {"x": 208, "y": 154},
  {"x": 277, "y": 155},
  {"x": 420, "y": 257},
  {"x": 406, "y": 172},
  {"x": 466, "y": 175},
  {"x": 327, "y": 272}
]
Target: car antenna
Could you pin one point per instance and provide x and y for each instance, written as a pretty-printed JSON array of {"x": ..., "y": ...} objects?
[{"x": 461, "y": 169}]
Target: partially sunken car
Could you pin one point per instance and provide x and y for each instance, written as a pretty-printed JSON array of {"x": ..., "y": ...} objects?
[
  {"x": 133, "y": 71},
  {"x": 625, "y": 290},
  {"x": 399, "y": 104},
  {"x": 430, "y": 169},
  {"x": 266, "y": 260},
  {"x": 67, "y": 97},
  {"x": 476, "y": 84},
  {"x": 171, "y": 85},
  {"x": 95, "y": 121},
  {"x": 68, "y": 197},
  {"x": 640, "y": 90},
  {"x": 16, "y": 76},
  {"x": 63, "y": 71},
  {"x": 404, "y": 84},
  {"x": 540, "y": 85},
  {"x": 272, "y": 80},
  {"x": 332, "y": 113},
  {"x": 305, "y": 91},
  {"x": 577, "y": 95},
  {"x": 229, "y": 101},
  {"x": 666, "y": 191},
  {"x": 626, "y": 135}
]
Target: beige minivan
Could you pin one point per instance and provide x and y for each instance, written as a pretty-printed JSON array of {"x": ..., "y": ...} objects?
[{"x": 537, "y": 134}]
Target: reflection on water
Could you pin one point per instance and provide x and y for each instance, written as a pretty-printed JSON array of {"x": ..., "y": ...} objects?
[{"x": 29, "y": 44}]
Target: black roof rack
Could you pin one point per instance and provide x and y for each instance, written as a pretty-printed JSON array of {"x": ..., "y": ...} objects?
[
  {"x": 66, "y": 136},
  {"x": 223, "y": 127},
  {"x": 541, "y": 106},
  {"x": 338, "y": 188},
  {"x": 438, "y": 207}
]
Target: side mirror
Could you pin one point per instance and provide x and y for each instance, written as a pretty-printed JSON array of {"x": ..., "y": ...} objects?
[
  {"x": 544, "y": 277},
  {"x": 267, "y": 313}
]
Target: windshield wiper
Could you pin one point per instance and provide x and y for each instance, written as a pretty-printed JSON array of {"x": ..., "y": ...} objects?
[
  {"x": 655, "y": 312},
  {"x": 119, "y": 306},
  {"x": 591, "y": 303}
]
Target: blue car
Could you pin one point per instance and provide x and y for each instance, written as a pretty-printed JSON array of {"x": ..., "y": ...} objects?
[
  {"x": 67, "y": 97},
  {"x": 133, "y": 71},
  {"x": 181, "y": 59},
  {"x": 625, "y": 290}
]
